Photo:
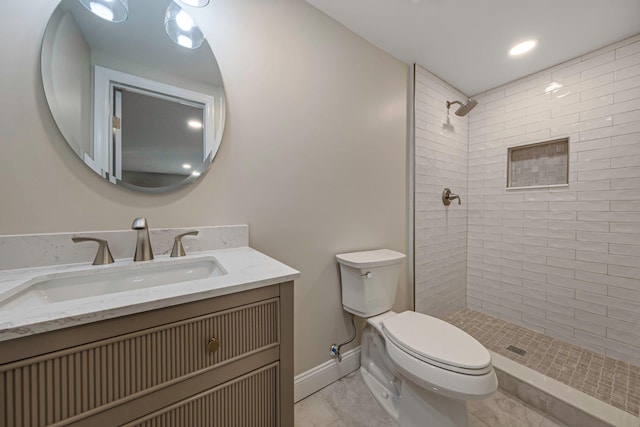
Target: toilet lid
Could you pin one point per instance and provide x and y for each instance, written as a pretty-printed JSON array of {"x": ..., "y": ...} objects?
[
  {"x": 370, "y": 259},
  {"x": 433, "y": 340}
]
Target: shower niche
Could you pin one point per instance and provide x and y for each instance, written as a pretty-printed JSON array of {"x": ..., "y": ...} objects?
[{"x": 543, "y": 164}]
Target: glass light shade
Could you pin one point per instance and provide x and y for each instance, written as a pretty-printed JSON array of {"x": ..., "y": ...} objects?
[
  {"x": 110, "y": 10},
  {"x": 195, "y": 3},
  {"x": 181, "y": 27}
]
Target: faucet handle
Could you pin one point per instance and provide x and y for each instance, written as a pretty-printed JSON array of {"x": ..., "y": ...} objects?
[
  {"x": 448, "y": 196},
  {"x": 103, "y": 256},
  {"x": 178, "y": 249}
]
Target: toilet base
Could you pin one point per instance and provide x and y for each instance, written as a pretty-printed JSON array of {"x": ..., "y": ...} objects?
[
  {"x": 390, "y": 402},
  {"x": 420, "y": 407},
  {"x": 415, "y": 406}
]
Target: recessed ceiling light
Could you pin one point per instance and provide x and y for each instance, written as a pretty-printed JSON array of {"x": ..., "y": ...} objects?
[{"x": 523, "y": 47}]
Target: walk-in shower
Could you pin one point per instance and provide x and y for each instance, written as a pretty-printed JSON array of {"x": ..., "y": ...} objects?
[{"x": 521, "y": 267}]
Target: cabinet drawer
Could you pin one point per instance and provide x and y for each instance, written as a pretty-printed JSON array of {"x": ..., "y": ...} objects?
[
  {"x": 249, "y": 400},
  {"x": 58, "y": 386}
]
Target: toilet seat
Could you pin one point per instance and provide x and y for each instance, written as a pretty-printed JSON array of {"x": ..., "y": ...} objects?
[
  {"x": 407, "y": 367},
  {"x": 437, "y": 343}
]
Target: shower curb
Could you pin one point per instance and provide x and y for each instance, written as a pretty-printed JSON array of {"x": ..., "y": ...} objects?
[{"x": 557, "y": 400}]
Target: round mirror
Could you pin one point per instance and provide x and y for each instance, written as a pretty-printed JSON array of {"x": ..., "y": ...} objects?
[{"x": 140, "y": 109}]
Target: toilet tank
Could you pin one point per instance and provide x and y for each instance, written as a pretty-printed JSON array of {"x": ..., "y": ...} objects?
[{"x": 369, "y": 280}]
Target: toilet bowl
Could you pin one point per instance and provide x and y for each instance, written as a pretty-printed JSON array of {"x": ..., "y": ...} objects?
[{"x": 421, "y": 369}]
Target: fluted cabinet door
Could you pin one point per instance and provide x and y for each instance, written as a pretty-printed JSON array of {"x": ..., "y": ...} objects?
[
  {"x": 67, "y": 385},
  {"x": 247, "y": 401}
]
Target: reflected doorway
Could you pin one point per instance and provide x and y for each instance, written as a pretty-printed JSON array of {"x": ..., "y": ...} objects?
[{"x": 158, "y": 140}]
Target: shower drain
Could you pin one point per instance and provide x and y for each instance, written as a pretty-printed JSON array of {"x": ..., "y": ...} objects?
[{"x": 517, "y": 350}]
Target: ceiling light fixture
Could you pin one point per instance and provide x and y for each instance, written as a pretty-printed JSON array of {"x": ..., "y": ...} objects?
[
  {"x": 524, "y": 47},
  {"x": 181, "y": 28},
  {"x": 110, "y": 10},
  {"x": 195, "y": 3},
  {"x": 186, "y": 166},
  {"x": 195, "y": 124}
]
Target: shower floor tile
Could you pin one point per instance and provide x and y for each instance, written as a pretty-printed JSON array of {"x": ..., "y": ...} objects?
[{"x": 612, "y": 381}]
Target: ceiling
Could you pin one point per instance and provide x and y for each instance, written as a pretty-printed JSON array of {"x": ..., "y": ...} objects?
[{"x": 465, "y": 42}]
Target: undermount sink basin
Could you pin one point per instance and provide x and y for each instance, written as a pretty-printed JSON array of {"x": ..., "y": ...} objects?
[{"x": 74, "y": 285}]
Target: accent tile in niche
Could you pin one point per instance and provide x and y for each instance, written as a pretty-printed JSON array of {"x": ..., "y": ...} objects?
[{"x": 538, "y": 164}]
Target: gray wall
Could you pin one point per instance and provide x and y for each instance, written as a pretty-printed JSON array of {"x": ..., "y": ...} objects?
[{"x": 313, "y": 156}]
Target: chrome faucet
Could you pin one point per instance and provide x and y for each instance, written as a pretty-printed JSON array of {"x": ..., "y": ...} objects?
[{"x": 143, "y": 244}]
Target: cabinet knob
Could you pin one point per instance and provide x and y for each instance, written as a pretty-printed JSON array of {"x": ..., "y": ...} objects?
[{"x": 214, "y": 345}]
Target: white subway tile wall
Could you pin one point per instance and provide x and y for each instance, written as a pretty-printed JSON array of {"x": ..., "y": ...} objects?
[
  {"x": 561, "y": 261},
  {"x": 441, "y": 152}
]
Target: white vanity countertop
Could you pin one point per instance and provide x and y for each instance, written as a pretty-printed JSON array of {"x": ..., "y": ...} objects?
[{"x": 246, "y": 269}]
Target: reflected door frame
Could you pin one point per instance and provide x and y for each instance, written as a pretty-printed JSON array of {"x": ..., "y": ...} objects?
[
  {"x": 116, "y": 161},
  {"x": 105, "y": 139}
]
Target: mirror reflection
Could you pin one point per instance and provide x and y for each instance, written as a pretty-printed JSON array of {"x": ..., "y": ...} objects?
[{"x": 140, "y": 108}]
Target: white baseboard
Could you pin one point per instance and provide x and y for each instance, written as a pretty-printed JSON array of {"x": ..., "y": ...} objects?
[{"x": 322, "y": 375}]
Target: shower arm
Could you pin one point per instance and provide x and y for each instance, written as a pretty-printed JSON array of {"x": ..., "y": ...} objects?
[{"x": 450, "y": 103}]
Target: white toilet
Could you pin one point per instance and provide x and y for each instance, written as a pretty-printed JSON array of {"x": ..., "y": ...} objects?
[{"x": 421, "y": 369}]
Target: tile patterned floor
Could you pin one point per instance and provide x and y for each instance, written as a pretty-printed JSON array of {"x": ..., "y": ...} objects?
[
  {"x": 604, "y": 378},
  {"x": 349, "y": 403}
]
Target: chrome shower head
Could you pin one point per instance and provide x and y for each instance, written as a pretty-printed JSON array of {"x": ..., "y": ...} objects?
[{"x": 464, "y": 109}]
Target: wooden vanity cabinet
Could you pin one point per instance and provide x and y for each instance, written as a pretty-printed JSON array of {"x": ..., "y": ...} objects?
[{"x": 225, "y": 361}]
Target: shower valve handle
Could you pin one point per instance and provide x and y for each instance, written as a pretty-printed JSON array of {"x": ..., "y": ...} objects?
[{"x": 448, "y": 196}]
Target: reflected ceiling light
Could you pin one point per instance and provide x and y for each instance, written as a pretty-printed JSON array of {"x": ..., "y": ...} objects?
[
  {"x": 195, "y": 124},
  {"x": 195, "y": 173},
  {"x": 552, "y": 87},
  {"x": 523, "y": 47},
  {"x": 181, "y": 28},
  {"x": 110, "y": 10},
  {"x": 186, "y": 166},
  {"x": 195, "y": 3}
]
